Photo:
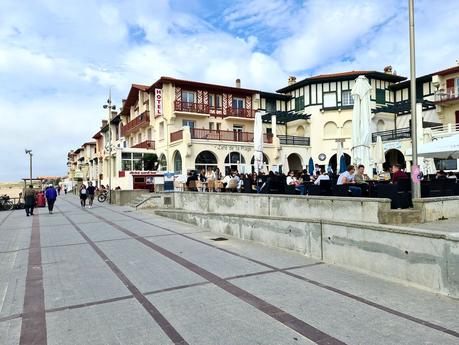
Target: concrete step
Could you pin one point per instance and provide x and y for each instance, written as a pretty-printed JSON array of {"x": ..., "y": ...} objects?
[{"x": 399, "y": 216}]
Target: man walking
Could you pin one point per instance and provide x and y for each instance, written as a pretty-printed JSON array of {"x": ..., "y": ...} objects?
[
  {"x": 51, "y": 196},
  {"x": 83, "y": 195},
  {"x": 91, "y": 190},
  {"x": 29, "y": 200}
]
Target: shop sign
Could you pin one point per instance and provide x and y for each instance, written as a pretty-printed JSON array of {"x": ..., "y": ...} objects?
[
  {"x": 142, "y": 172},
  {"x": 235, "y": 148},
  {"x": 158, "y": 102}
]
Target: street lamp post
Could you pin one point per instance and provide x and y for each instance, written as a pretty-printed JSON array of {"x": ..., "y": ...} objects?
[
  {"x": 110, "y": 107},
  {"x": 29, "y": 152},
  {"x": 415, "y": 186}
]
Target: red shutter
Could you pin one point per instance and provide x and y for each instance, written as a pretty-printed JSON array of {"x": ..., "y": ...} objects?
[{"x": 450, "y": 83}]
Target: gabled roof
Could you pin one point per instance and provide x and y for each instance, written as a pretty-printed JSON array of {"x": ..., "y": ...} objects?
[
  {"x": 132, "y": 97},
  {"x": 200, "y": 85},
  {"x": 273, "y": 95},
  {"x": 97, "y": 135},
  {"x": 89, "y": 143},
  {"x": 341, "y": 76},
  {"x": 407, "y": 83}
]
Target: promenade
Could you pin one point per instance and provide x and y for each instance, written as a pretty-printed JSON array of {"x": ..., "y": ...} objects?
[{"x": 111, "y": 275}]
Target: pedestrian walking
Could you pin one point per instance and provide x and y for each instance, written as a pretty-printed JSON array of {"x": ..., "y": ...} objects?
[
  {"x": 65, "y": 190},
  {"x": 91, "y": 191},
  {"x": 58, "y": 190},
  {"x": 51, "y": 196},
  {"x": 83, "y": 195},
  {"x": 29, "y": 200}
]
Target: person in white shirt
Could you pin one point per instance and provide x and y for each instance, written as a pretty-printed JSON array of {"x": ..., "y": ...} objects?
[
  {"x": 324, "y": 176},
  {"x": 348, "y": 178}
]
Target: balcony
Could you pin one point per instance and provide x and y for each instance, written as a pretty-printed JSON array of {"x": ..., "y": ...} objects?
[
  {"x": 175, "y": 136},
  {"x": 191, "y": 107},
  {"x": 211, "y": 134},
  {"x": 199, "y": 108},
  {"x": 401, "y": 133},
  {"x": 450, "y": 96},
  {"x": 240, "y": 113},
  {"x": 147, "y": 144},
  {"x": 140, "y": 121},
  {"x": 294, "y": 140}
]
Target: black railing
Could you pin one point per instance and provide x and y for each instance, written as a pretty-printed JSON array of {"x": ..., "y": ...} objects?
[
  {"x": 294, "y": 140},
  {"x": 400, "y": 133}
]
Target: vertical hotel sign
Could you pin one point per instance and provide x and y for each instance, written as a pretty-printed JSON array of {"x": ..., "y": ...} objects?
[{"x": 158, "y": 102}]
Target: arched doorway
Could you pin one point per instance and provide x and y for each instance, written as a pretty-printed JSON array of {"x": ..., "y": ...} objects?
[
  {"x": 265, "y": 162},
  {"x": 334, "y": 164},
  {"x": 204, "y": 160},
  {"x": 232, "y": 160},
  {"x": 394, "y": 156},
  {"x": 177, "y": 162},
  {"x": 162, "y": 163},
  {"x": 294, "y": 162}
]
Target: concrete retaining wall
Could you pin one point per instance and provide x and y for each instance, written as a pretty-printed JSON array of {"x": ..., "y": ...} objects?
[
  {"x": 304, "y": 207},
  {"x": 124, "y": 197},
  {"x": 437, "y": 208},
  {"x": 415, "y": 257}
]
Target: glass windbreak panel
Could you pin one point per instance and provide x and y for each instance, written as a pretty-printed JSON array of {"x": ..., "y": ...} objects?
[
  {"x": 346, "y": 98},
  {"x": 126, "y": 165},
  {"x": 238, "y": 103},
  {"x": 137, "y": 164},
  {"x": 188, "y": 96}
]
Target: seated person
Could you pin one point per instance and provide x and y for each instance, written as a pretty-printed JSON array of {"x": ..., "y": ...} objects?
[
  {"x": 360, "y": 176},
  {"x": 398, "y": 174},
  {"x": 348, "y": 178},
  {"x": 305, "y": 176},
  {"x": 324, "y": 176},
  {"x": 292, "y": 180},
  {"x": 441, "y": 175}
]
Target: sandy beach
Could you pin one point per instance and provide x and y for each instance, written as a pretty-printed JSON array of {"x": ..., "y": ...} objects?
[{"x": 12, "y": 189}]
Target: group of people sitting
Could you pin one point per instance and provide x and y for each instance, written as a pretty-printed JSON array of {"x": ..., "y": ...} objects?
[{"x": 274, "y": 182}]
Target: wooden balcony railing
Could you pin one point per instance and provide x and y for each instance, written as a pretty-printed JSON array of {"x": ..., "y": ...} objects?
[
  {"x": 147, "y": 144},
  {"x": 191, "y": 107},
  {"x": 294, "y": 140},
  {"x": 400, "y": 133},
  {"x": 240, "y": 112},
  {"x": 175, "y": 136},
  {"x": 212, "y": 134},
  {"x": 140, "y": 121},
  {"x": 206, "y": 109}
]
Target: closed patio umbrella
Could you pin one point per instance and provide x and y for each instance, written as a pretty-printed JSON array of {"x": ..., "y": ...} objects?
[
  {"x": 342, "y": 164},
  {"x": 361, "y": 121},
  {"x": 379, "y": 158},
  {"x": 285, "y": 166},
  {"x": 258, "y": 142},
  {"x": 339, "y": 153},
  {"x": 311, "y": 166}
]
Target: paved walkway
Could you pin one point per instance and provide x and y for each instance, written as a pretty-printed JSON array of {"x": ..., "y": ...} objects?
[{"x": 109, "y": 275}]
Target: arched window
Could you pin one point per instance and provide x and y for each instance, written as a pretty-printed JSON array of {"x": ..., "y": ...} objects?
[
  {"x": 205, "y": 160},
  {"x": 232, "y": 160},
  {"x": 177, "y": 162},
  {"x": 330, "y": 130},
  {"x": 162, "y": 163}
]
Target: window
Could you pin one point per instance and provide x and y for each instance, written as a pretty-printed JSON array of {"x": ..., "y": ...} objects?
[
  {"x": 132, "y": 161},
  {"x": 219, "y": 126},
  {"x": 329, "y": 99},
  {"x": 238, "y": 103},
  {"x": 270, "y": 105},
  {"x": 346, "y": 98},
  {"x": 215, "y": 101},
  {"x": 162, "y": 163},
  {"x": 269, "y": 131},
  {"x": 177, "y": 163},
  {"x": 139, "y": 138},
  {"x": 161, "y": 130},
  {"x": 237, "y": 129},
  {"x": 188, "y": 97},
  {"x": 188, "y": 123},
  {"x": 380, "y": 96},
  {"x": 299, "y": 103},
  {"x": 211, "y": 126}
]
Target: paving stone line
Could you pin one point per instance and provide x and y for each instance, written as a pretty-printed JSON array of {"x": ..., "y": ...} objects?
[
  {"x": 6, "y": 217},
  {"x": 316, "y": 283},
  {"x": 276, "y": 313},
  {"x": 168, "y": 329},
  {"x": 33, "y": 328}
]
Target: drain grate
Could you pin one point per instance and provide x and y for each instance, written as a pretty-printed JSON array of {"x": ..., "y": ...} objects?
[{"x": 219, "y": 239}]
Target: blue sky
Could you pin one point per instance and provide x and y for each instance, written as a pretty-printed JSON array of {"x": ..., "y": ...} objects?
[{"x": 59, "y": 58}]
